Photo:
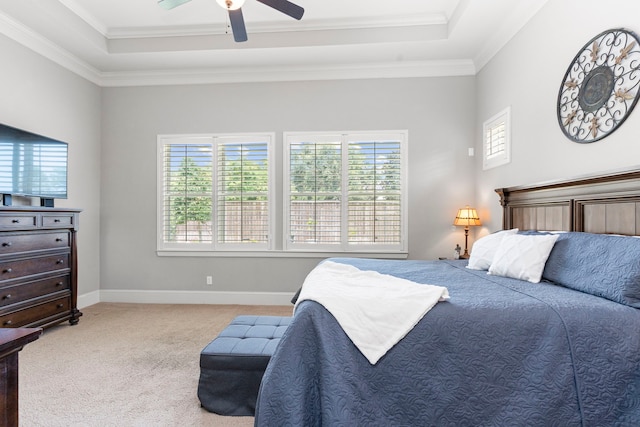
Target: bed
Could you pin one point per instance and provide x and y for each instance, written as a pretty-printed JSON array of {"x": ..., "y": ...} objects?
[{"x": 560, "y": 345}]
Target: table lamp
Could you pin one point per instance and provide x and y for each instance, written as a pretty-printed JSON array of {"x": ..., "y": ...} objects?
[{"x": 468, "y": 217}]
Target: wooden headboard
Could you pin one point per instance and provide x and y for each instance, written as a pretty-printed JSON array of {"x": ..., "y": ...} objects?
[{"x": 608, "y": 203}]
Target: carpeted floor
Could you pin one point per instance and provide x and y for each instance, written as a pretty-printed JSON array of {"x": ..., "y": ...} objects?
[{"x": 125, "y": 365}]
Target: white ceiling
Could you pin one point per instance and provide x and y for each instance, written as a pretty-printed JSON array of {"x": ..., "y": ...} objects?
[{"x": 136, "y": 42}]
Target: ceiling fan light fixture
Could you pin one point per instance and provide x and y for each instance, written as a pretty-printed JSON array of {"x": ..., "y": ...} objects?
[
  {"x": 236, "y": 20},
  {"x": 231, "y": 4}
]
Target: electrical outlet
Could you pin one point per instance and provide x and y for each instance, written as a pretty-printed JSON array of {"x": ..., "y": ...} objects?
[{"x": 209, "y": 280}]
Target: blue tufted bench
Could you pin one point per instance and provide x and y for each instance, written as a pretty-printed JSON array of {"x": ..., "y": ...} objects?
[{"x": 232, "y": 365}]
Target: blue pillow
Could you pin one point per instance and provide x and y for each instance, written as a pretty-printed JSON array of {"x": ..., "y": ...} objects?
[{"x": 604, "y": 265}]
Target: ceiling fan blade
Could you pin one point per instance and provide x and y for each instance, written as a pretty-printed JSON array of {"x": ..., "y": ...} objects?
[
  {"x": 170, "y": 4},
  {"x": 286, "y": 7},
  {"x": 237, "y": 25}
]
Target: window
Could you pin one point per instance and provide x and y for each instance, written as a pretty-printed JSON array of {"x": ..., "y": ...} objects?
[
  {"x": 215, "y": 192},
  {"x": 345, "y": 192},
  {"x": 497, "y": 140}
]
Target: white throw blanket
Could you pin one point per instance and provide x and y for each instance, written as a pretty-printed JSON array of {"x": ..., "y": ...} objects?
[{"x": 375, "y": 310}]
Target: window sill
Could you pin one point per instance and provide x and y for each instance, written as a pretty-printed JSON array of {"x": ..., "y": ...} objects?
[{"x": 281, "y": 254}]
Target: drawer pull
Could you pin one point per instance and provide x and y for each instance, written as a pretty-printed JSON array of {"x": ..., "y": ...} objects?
[
  {"x": 8, "y": 296},
  {"x": 58, "y": 239},
  {"x": 8, "y": 323},
  {"x": 6, "y": 244},
  {"x": 60, "y": 261},
  {"x": 15, "y": 221},
  {"x": 7, "y": 270},
  {"x": 59, "y": 283},
  {"x": 59, "y": 305},
  {"x": 56, "y": 220}
]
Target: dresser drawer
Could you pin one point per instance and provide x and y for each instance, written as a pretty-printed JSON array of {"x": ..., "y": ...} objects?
[
  {"x": 13, "y": 243},
  {"x": 18, "y": 221},
  {"x": 57, "y": 220},
  {"x": 25, "y": 291},
  {"x": 32, "y": 266},
  {"x": 38, "y": 261},
  {"x": 36, "y": 313}
]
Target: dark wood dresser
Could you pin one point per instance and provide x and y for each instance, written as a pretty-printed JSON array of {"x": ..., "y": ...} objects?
[
  {"x": 38, "y": 266},
  {"x": 11, "y": 342}
]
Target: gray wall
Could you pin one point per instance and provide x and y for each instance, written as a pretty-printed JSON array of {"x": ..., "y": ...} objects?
[
  {"x": 527, "y": 75},
  {"x": 43, "y": 98},
  {"x": 438, "y": 112}
]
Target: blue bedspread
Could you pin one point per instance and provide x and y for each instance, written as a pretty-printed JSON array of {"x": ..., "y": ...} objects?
[{"x": 501, "y": 352}]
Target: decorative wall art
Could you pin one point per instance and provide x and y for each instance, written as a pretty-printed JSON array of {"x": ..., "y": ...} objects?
[{"x": 600, "y": 87}]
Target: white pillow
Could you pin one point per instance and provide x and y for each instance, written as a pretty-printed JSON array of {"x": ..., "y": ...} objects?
[
  {"x": 485, "y": 248},
  {"x": 523, "y": 256}
]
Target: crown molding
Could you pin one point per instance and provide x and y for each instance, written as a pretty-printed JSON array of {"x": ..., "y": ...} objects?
[
  {"x": 295, "y": 73},
  {"x": 28, "y": 38},
  {"x": 393, "y": 69},
  {"x": 273, "y": 27},
  {"x": 42, "y": 46},
  {"x": 206, "y": 29},
  {"x": 32, "y": 40}
]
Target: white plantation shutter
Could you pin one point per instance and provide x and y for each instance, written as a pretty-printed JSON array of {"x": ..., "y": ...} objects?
[
  {"x": 315, "y": 202},
  {"x": 243, "y": 192},
  {"x": 496, "y": 149},
  {"x": 187, "y": 192},
  {"x": 375, "y": 192},
  {"x": 495, "y": 140},
  {"x": 215, "y": 193},
  {"x": 342, "y": 192},
  {"x": 346, "y": 192}
]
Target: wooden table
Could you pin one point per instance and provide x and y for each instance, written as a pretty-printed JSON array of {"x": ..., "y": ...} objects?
[{"x": 11, "y": 342}]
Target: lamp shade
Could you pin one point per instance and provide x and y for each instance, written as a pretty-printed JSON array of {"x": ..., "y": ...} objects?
[{"x": 467, "y": 216}]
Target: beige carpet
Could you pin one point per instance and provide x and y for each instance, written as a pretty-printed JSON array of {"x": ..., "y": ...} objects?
[{"x": 125, "y": 365}]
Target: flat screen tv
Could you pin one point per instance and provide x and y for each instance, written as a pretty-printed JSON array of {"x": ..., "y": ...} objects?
[{"x": 32, "y": 165}]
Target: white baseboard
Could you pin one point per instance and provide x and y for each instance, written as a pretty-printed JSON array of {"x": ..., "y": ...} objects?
[
  {"x": 85, "y": 300},
  {"x": 185, "y": 297}
]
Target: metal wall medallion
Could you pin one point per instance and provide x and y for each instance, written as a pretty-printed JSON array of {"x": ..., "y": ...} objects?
[{"x": 600, "y": 87}]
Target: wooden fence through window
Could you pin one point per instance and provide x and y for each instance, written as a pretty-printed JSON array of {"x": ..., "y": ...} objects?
[{"x": 310, "y": 222}]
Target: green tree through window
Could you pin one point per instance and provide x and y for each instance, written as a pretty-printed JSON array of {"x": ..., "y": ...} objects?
[
  {"x": 342, "y": 192},
  {"x": 216, "y": 192},
  {"x": 345, "y": 190},
  {"x": 188, "y": 200}
]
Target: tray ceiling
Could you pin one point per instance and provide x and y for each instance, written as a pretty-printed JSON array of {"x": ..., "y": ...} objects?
[{"x": 135, "y": 42}]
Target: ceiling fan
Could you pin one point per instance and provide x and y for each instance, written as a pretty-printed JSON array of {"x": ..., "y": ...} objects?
[{"x": 235, "y": 13}]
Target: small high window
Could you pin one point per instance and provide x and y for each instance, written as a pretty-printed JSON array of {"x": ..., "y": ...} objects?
[{"x": 496, "y": 148}]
